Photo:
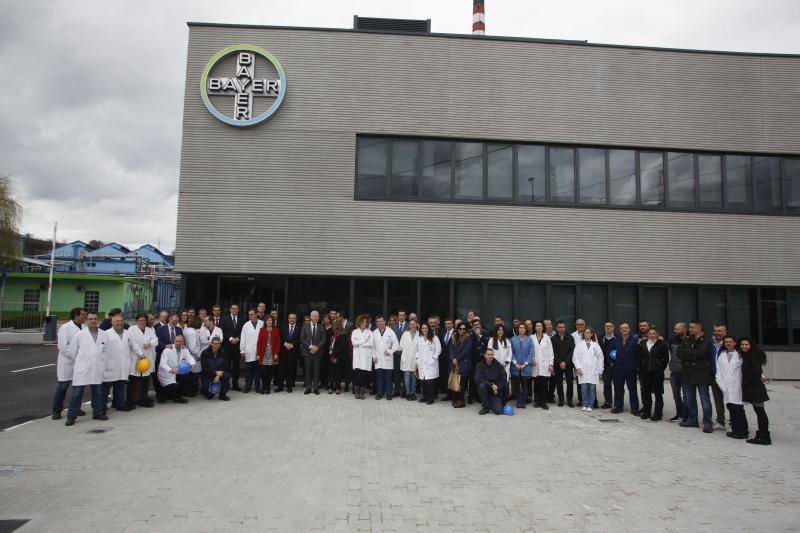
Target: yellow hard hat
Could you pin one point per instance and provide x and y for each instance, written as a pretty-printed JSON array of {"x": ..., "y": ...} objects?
[{"x": 143, "y": 364}]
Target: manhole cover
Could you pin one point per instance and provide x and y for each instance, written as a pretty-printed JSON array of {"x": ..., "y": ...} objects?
[
  {"x": 99, "y": 430},
  {"x": 612, "y": 420}
]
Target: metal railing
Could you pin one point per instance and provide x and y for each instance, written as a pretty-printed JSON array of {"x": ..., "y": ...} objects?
[{"x": 21, "y": 315}]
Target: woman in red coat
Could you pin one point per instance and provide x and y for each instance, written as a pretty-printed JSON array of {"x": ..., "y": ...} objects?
[{"x": 267, "y": 351}]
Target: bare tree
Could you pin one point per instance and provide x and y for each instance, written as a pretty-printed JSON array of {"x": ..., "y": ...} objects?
[{"x": 10, "y": 211}]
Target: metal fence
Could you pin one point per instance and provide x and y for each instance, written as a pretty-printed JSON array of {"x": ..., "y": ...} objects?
[{"x": 21, "y": 315}]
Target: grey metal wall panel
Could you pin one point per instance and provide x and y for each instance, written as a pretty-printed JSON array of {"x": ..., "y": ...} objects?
[{"x": 286, "y": 187}]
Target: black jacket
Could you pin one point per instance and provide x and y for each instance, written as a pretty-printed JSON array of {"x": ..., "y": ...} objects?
[
  {"x": 294, "y": 340},
  {"x": 753, "y": 390},
  {"x": 656, "y": 359},
  {"x": 340, "y": 347},
  {"x": 695, "y": 356},
  {"x": 490, "y": 374},
  {"x": 211, "y": 363},
  {"x": 479, "y": 345},
  {"x": 229, "y": 330},
  {"x": 562, "y": 350},
  {"x": 607, "y": 345}
]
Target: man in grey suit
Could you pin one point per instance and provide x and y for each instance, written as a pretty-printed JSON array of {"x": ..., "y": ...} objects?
[{"x": 312, "y": 340}]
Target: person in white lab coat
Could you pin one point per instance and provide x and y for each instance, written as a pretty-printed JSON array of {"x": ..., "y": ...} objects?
[
  {"x": 501, "y": 345},
  {"x": 206, "y": 333},
  {"x": 168, "y": 370},
  {"x": 363, "y": 351},
  {"x": 142, "y": 343},
  {"x": 408, "y": 359},
  {"x": 428, "y": 350},
  {"x": 588, "y": 361},
  {"x": 248, "y": 344},
  {"x": 543, "y": 370},
  {"x": 65, "y": 361},
  {"x": 729, "y": 379},
  {"x": 384, "y": 344},
  {"x": 192, "y": 336},
  {"x": 87, "y": 349},
  {"x": 117, "y": 362}
]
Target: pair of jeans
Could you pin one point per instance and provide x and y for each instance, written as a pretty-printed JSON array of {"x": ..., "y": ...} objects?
[
  {"x": 60, "y": 395},
  {"x": 490, "y": 400},
  {"x": 588, "y": 394},
  {"x": 118, "y": 390},
  {"x": 676, "y": 382},
  {"x": 625, "y": 377},
  {"x": 383, "y": 382},
  {"x": 690, "y": 393},
  {"x": 98, "y": 401},
  {"x": 519, "y": 386},
  {"x": 608, "y": 385},
  {"x": 224, "y": 385},
  {"x": 252, "y": 374},
  {"x": 409, "y": 382}
]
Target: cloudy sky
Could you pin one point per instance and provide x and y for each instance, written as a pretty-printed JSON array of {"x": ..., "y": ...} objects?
[{"x": 92, "y": 90}]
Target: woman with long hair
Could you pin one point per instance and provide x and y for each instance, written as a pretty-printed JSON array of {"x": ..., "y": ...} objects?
[
  {"x": 361, "y": 339},
  {"x": 501, "y": 345},
  {"x": 588, "y": 361},
  {"x": 429, "y": 348},
  {"x": 337, "y": 352},
  {"x": 522, "y": 360},
  {"x": 267, "y": 351},
  {"x": 544, "y": 367},
  {"x": 753, "y": 390},
  {"x": 460, "y": 359},
  {"x": 729, "y": 380}
]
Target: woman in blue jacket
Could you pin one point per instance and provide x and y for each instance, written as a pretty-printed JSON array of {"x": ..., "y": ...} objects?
[
  {"x": 460, "y": 357},
  {"x": 522, "y": 360}
]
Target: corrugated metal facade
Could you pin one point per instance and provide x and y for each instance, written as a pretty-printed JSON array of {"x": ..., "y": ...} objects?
[{"x": 280, "y": 195}]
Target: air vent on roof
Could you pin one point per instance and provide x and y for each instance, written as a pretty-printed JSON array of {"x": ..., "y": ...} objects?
[{"x": 402, "y": 25}]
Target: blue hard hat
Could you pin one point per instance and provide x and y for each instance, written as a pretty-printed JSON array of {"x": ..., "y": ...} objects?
[
  {"x": 508, "y": 410},
  {"x": 613, "y": 355},
  {"x": 184, "y": 368},
  {"x": 214, "y": 387}
]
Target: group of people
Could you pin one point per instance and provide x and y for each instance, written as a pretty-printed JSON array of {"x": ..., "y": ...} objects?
[{"x": 530, "y": 363}]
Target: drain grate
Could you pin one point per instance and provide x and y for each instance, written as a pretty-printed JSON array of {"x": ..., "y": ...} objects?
[
  {"x": 612, "y": 420},
  {"x": 99, "y": 430}
]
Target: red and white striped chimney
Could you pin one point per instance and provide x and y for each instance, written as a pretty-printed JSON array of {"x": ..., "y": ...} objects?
[{"x": 478, "y": 18}]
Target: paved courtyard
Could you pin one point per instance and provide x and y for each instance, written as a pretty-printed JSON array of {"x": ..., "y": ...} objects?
[{"x": 303, "y": 463}]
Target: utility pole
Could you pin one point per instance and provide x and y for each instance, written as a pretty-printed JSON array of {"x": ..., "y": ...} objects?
[{"x": 52, "y": 266}]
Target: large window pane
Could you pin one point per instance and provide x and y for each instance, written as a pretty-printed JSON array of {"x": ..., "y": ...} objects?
[
  {"x": 469, "y": 296},
  {"x": 401, "y": 294},
  {"x": 530, "y": 302},
  {"x": 773, "y": 317},
  {"x": 651, "y": 168},
  {"x": 625, "y": 305},
  {"x": 594, "y": 306},
  {"x": 654, "y": 309},
  {"x": 372, "y": 155},
  {"x": 530, "y": 173},
  {"x": 500, "y": 171},
  {"x": 469, "y": 170},
  {"x": 562, "y": 305},
  {"x": 368, "y": 297},
  {"x": 404, "y": 168},
  {"x": 307, "y": 294},
  {"x": 436, "y": 169},
  {"x": 794, "y": 310},
  {"x": 767, "y": 175},
  {"x": 562, "y": 175},
  {"x": 499, "y": 301},
  {"x": 738, "y": 179},
  {"x": 709, "y": 174},
  {"x": 791, "y": 169},
  {"x": 435, "y": 299},
  {"x": 622, "y": 173},
  {"x": 680, "y": 169},
  {"x": 742, "y": 313},
  {"x": 683, "y": 306},
  {"x": 592, "y": 175},
  {"x": 713, "y": 305}
]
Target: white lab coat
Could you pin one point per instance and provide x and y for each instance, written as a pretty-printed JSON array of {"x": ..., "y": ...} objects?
[
  {"x": 248, "y": 342},
  {"x": 382, "y": 343},
  {"x": 192, "y": 338},
  {"x": 362, "y": 349},
  {"x": 66, "y": 358},
  {"x": 136, "y": 341},
  {"x": 589, "y": 360},
  {"x": 427, "y": 356},
  {"x": 502, "y": 354},
  {"x": 729, "y": 377},
  {"x": 117, "y": 356},
  {"x": 544, "y": 356},
  {"x": 204, "y": 338},
  {"x": 170, "y": 358},
  {"x": 89, "y": 356},
  {"x": 408, "y": 347}
]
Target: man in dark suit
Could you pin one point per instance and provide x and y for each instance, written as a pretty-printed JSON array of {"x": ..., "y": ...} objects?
[
  {"x": 290, "y": 351},
  {"x": 312, "y": 343},
  {"x": 231, "y": 325},
  {"x": 166, "y": 338},
  {"x": 397, "y": 374}
]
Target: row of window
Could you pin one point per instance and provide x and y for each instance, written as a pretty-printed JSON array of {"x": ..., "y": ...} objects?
[{"x": 444, "y": 170}]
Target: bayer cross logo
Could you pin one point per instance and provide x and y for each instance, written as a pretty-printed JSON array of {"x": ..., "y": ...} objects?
[{"x": 243, "y": 87}]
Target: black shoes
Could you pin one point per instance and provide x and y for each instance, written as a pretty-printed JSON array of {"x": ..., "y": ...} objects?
[
  {"x": 483, "y": 411},
  {"x": 655, "y": 418},
  {"x": 675, "y": 418},
  {"x": 180, "y": 400},
  {"x": 81, "y": 413},
  {"x": 411, "y": 398},
  {"x": 734, "y": 435},
  {"x": 99, "y": 417},
  {"x": 605, "y": 406},
  {"x": 644, "y": 416},
  {"x": 570, "y": 404},
  {"x": 125, "y": 409},
  {"x": 307, "y": 391},
  {"x": 246, "y": 389},
  {"x": 224, "y": 398},
  {"x": 316, "y": 391},
  {"x": 379, "y": 396},
  {"x": 687, "y": 424},
  {"x": 762, "y": 437},
  {"x": 561, "y": 403},
  {"x": 288, "y": 389},
  {"x": 56, "y": 415},
  {"x": 70, "y": 421},
  {"x": 279, "y": 389},
  {"x": 616, "y": 411}
]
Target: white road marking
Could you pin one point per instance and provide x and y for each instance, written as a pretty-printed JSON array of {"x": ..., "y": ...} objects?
[
  {"x": 19, "y": 425},
  {"x": 32, "y": 368}
]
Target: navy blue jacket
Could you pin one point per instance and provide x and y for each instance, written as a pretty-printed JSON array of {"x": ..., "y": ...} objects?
[
  {"x": 463, "y": 354},
  {"x": 162, "y": 334},
  {"x": 211, "y": 363},
  {"x": 627, "y": 353}
]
